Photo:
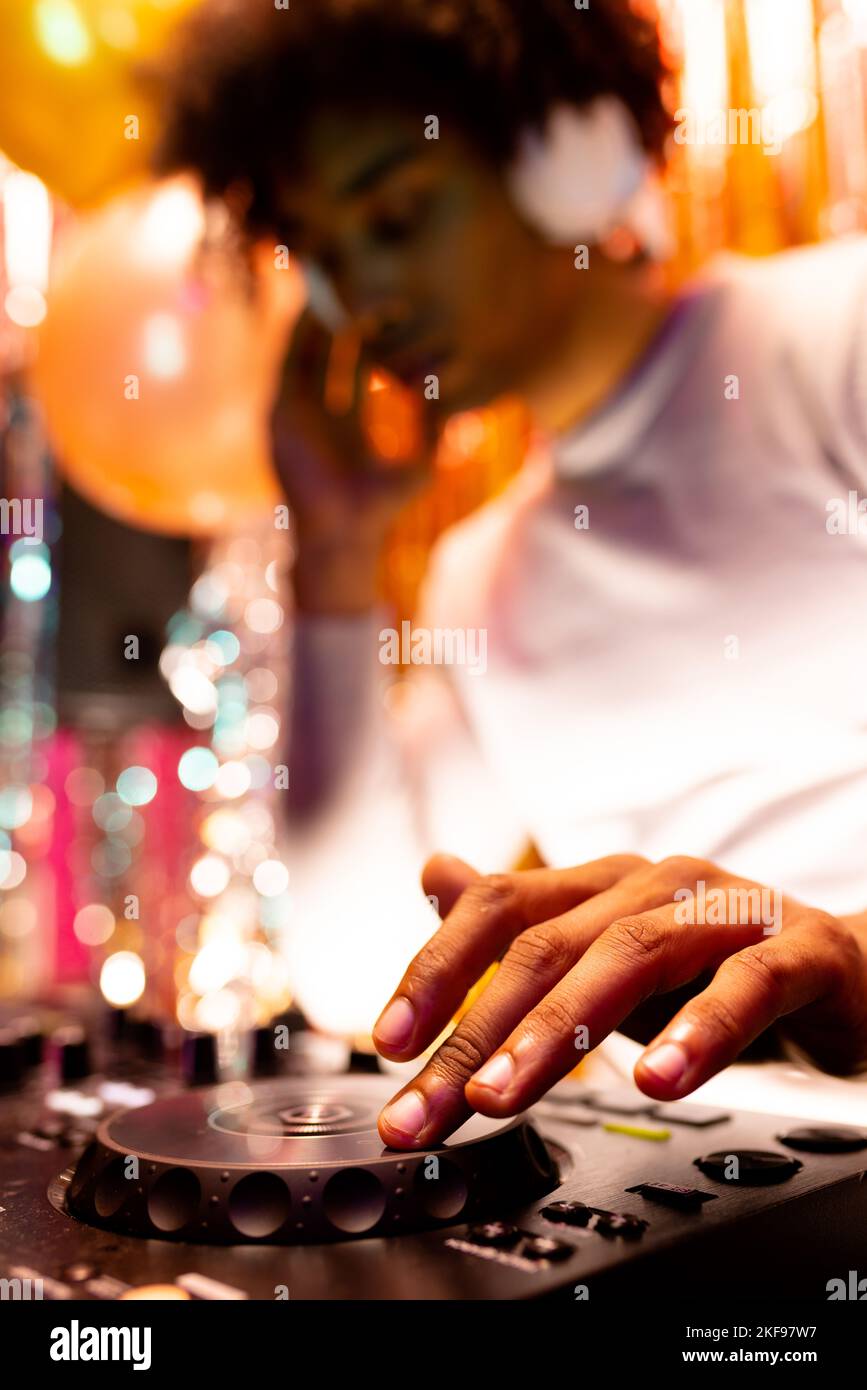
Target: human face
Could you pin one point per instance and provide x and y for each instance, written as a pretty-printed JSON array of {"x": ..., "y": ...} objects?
[{"x": 427, "y": 256}]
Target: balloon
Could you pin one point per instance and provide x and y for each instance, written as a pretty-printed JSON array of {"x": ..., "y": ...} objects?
[
  {"x": 157, "y": 364},
  {"x": 74, "y": 110}
]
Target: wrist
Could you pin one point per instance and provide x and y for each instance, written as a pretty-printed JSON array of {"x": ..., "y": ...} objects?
[{"x": 336, "y": 578}]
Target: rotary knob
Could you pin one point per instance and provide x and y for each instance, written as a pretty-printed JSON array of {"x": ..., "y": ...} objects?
[
  {"x": 73, "y": 1054},
  {"x": 265, "y": 1059},
  {"x": 29, "y": 1034},
  {"x": 199, "y": 1059},
  {"x": 11, "y": 1059}
]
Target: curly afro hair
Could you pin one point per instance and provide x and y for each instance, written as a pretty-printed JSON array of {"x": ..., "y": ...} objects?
[{"x": 246, "y": 77}]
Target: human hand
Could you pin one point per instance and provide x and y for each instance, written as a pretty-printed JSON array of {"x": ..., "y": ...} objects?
[
  {"x": 580, "y": 949},
  {"x": 342, "y": 497}
]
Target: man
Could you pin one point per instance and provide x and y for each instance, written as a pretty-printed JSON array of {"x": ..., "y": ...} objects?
[{"x": 674, "y": 629}]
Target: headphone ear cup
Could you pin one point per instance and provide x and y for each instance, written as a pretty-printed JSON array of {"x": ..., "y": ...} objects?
[{"x": 576, "y": 180}]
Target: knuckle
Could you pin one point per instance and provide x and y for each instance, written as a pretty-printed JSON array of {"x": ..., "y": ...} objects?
[
  {"x": 542, "y": 950},
  {"x": 637, "y": 935},
  {"x": 460, "y": 1055},
  {"x": 842, "y": 956},
  {"x": 624, "y": 863},
  {"x": 431, "y": 966},
  {"x": 762, "y": 966},
  {"x": 833, "y": 933},
  {"x": 714, "y": 1015},
  {"x": 492, "y": 892},
  {"x": 554, "y": 1018},
  {"x": 684, "y": 868}
]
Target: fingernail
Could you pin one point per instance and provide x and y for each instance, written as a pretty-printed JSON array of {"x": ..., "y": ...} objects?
[
  {"x": 496, "y": 1074},
  {"x": 407, "y": 1115},
  {"x": 668, "y": 1062},
  {"x": 395, "y": 1024}
]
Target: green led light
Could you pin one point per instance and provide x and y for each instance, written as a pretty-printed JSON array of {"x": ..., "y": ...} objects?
[{"x": 638, "y": 1131}]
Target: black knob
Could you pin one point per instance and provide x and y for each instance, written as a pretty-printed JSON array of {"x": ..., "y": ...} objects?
[
  {"x": 146, "y": 1036},
  {"x": 825, "y": 1139},
  {"x": 751, "y": 1167},
  {"x": 11, "y": 1060},
  {"x": 199, "y": 1059},
  {"x": 367, "y": 1062},
  {"x": 500, "y": 1234},
  {"x": 29, "y": 1034},
  {"x": 265, "y": 1059},
  {"x": 73, "y": 1053},
  {"x": 543, "y": 1248},
  {"x": 568, "y": 1213}
]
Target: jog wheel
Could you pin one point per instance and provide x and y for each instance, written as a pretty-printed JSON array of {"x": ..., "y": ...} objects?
[{"x": 295, "y": 1162}]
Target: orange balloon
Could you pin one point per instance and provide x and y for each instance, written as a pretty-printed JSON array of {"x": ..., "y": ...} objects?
[{"x": 157, "y": 364}]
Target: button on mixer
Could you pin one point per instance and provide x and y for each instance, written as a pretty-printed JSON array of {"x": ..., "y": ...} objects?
[
  {"x": 825, "y": 1139},
  {"x": 669, "y": 1194},
  {"x": 619, "y": 1100},
  {"x": 696, "y": 1116},
  {"x": 748, "y": 1167},
  {"x": 613, "y": 1223},
  {"x": 568, "y": 1213},
  {"x": 497, "y": 1233},
  {"x": 543, "y": 1248},
  {"x": 608, "y": 1223}
]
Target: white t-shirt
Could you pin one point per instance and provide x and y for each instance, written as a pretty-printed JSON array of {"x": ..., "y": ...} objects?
[{"x": 679, "y": 669}]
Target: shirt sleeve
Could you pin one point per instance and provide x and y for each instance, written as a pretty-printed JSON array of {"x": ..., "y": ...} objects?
[{"x": 383, "y": 771}]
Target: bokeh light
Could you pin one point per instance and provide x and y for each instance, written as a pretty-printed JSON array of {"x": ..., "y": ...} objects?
[
  {"x": 263, "y": 615},
  {"x": 270, "y": 878},
  {"x": 197, "y": 769},
  {"x": 30, "y": 577},
  {"x": 13, "y": 869},
  {"x": 209, "y": 876},
  {"x": 18, "y": 918},
  {"x": 136, "y": 786},
  {"x": 83, "y": 785},
  {"x": 215, "y": 965},
  {"x": 93, "y": 924},
  {"x": 232, "y": 780},
  {"x": 262, "y": 729},
  {"x": 111, "y": 813},
  {"x": 122, "y": 978},
  {"x": 16, "y": 804}
]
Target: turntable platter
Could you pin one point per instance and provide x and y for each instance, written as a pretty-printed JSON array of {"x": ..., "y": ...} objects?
[{"x": 294, "y": 1162}]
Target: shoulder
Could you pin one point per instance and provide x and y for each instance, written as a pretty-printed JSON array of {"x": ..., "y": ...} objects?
[
  {"x": 814, "y": 296},
  {"x": 797, "y": 323}
]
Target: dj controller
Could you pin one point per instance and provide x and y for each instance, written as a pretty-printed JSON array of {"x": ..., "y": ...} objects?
[{"x": 130, "y": 1169}]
